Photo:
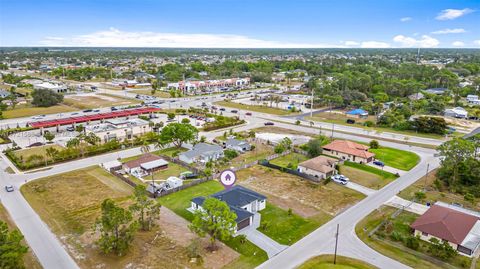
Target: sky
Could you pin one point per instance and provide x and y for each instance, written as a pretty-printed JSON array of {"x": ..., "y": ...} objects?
[{"x": 241, "y": 23}]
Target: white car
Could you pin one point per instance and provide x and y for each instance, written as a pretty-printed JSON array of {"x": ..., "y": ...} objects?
[
  {"x": 37, "y": 117},
  {"x": 9, "y": 188},
  {"x": 340, "y": 179}
]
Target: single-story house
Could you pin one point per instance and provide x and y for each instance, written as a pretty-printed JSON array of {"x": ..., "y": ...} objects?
[
  {"x": 321, "y": 167},
  {"x": 358, "y": 113},
  {"x": 170, "y": 183},
  {"x": 348, "y": 150},
  {"x": 473, "y": 99},
  {"x": 457, "y": 226},
  {"x": 237, "y": 145},
  {"x": 4, "y": 93},
  {"x": 416, "y": 96},
  {"x": 437, "y": 91},
  {"x": 146, "y": 164},
  {"x": 244, "y": 202},
  {"x": 202, "y": 152},
  {"x": 112, "y": 165},
  {"x": 457, "y": 112}
]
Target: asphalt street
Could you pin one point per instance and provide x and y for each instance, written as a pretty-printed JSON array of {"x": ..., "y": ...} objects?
[{"x": 52, "y": 254}]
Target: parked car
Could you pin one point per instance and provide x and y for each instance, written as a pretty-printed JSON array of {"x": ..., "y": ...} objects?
[
  {"x": 269, "y": 123},
  {"x": 248, "y": 114},
  {"x": 214, "y": 107},
  {"x": 222, "y": 109},
  {"x": 379, "y": 163},
  {"x": 96, "y": 110},
  {"x": 340, "y": 179},
  {"x": 9, "y": 188},
  {"x": 234, "y": 111},
  {"x": 37, "y": 118},
  {"x": 350, "y": 121},
  {"x": 87, "y": 110},
  {"x": 113, "y": 108},
  {"x": 70, "y": 129}
]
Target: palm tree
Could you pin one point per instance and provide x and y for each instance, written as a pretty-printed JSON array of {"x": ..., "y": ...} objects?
[
  {"x": 51, "y": 153},
  {"x": 145, "y": 148}
]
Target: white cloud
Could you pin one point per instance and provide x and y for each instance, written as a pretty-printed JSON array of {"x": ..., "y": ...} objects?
[
  {"x": 458, "y": 44},
  {"x": 476, "y": 42},
  {"x": 117, "y": 38},
  {"x": 374, "y": 44},
  {"x": 350, "y": 43},
  {"x": 409, "y": 42},
  {"x": 405, "y": 19},
  {"x": 449, "y": 31},
  {"x": 451, "y": 14}
]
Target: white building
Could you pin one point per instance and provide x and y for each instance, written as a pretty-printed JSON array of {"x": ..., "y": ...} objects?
[
  {"x": 196, "y": 85},
  {"x": 119, "y": 129},
  {"x": 56, "y": 87},
  {"x": 457, "y": 112},
  {"x": 473, "y": 99}
]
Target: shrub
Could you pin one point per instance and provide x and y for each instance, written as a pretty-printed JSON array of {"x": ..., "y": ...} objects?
[
  {"x": 297, "y": 122},
  {"x": 242, "y": 239},
  {"x": 412, "y": 242},
  {"x": 469, "y": 197},
  {"x": 374, "y": 144},
  {"x": 368, "y": 123},
  {"x": 290, "y": 212},
  {"x": 420, "y": 195},
  {"x": 230, "y": 154},
  {"x": 396, "y": 236}
]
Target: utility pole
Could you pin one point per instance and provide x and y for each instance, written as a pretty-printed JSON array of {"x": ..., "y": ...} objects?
[
  {"x": 333, "y": 127},
  {"x": 336, "y": 245},
  {"x": 426, "y": 177}
]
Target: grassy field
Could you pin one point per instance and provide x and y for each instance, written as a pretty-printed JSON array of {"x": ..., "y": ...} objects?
[
  {"x": 26, "y": 153},
  {"x": 171, "y": 152},
  {"x": 172, "y": 170},
  {"x": 341, "y": 119},
  {"x": 178, "y": 202},
  {"x": 280, "y": 130},
  {"x": 71, "y": 217},
  {"x": 290, "y": 160},
  {"x": 286, "y": 228},
  {"x": 28, "y": 111},
  {"x": 396, "y": 250},
  {"x": 432, "y": 194},
  {"x": 396, "y": 158},
  {"x": 255, "y": 108},
  {"x": 99, "y": 100},
  {"x": 326, "y": 262},
  {"x": 29, "y": 260},
  {"x": 366, "y": 176},
  {"x": 306, "y": 199},
  {"x": 260, "y": 152}
]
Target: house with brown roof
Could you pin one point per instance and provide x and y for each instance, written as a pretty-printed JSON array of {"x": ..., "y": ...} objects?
[
  {"x": 147, "y": 163},
  {"x": 348, "y": 150},
  {"x": 321, "y": 167},
  {"x": 457, "y": 226}
]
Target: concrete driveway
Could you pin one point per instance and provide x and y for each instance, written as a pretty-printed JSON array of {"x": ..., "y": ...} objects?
[{"x": 264, "y": 242}]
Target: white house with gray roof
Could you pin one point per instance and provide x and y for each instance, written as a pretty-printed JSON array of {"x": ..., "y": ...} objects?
[
  {"x": 202, "y": 152},
  {"x": 237, "y": 145}
]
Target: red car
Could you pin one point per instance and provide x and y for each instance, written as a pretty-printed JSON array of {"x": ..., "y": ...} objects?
[{"x": 248, "y": 114}]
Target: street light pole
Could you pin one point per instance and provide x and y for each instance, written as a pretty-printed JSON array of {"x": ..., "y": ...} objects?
[{"x": 426, "y": 177}]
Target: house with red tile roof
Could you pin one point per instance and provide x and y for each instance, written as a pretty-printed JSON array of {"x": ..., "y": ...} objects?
[
  {"x": 348, "y": 150},
  {"x": 460, "y": 228}
]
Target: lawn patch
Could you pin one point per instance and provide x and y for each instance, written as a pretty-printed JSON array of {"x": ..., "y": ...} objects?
[
  {"x": 326, "y": 262},
  {"x": 283, "y": 227},
  {"x": 370, "y": 169},
  {"x": 365, "y": 177},
  {"x": 290, "y": 161},
  {"x": 381, "y": 241},
  {"x": 396, "y": 158}
]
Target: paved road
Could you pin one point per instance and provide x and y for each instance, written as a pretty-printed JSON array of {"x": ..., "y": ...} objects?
[
  {"x": 321, "y": 241},
  {"x": 52, "y": 254}
]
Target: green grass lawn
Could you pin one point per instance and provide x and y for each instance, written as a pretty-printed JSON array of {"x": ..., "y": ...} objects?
[
  {"x": 290, "y": 160},
  {"x": 171, "y": 152},
  {"x": 396, "y": 158},
  {"x": 172, "y": 170},
  {"x": 285, "y": 228},
  {"x": 28, "y": 110},
  {"x": 178, "y": 202},
  {"x": 326, "y": 262},
  {"x": 255, "y": 108},
  {"x": 382, "y": 243},
  {"x": 370, "y": 169},
  {"x": 366, "y": 177}
]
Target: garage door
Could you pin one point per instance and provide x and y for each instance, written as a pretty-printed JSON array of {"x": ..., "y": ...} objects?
[{"x": 242, "y": 224}]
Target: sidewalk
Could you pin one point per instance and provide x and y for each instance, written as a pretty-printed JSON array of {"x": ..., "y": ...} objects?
[
  {"x": 360, "y": 188},
  {"x": 388, "y": 169},
  {"x": 409, "y": 206}
]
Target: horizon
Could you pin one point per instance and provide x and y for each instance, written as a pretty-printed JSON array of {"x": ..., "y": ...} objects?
[{"x": 241, "y": 24}]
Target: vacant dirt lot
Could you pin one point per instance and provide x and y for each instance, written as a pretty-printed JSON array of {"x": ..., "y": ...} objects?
[
  {"x": 71, "y": 217},
  {"x": 305, "y": 198},
  {"x": 95, "y": 101}
]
